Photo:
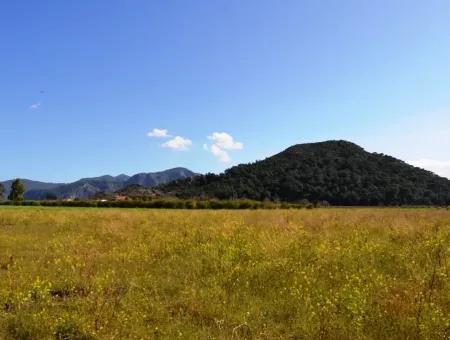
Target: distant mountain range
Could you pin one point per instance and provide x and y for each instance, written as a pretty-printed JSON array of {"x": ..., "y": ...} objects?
[
  {"x": 339, "y": 172},
  {"x": 88, "y": 187}
]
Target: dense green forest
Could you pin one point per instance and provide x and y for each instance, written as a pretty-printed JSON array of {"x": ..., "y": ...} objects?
[{"x": 339, "y": 172}]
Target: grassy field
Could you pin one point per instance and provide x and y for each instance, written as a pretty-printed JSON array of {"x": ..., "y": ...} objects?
[{"x": 75, "y": 273}]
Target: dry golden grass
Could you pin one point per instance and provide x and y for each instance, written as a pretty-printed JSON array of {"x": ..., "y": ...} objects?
[{"x": 74, "y": 273}]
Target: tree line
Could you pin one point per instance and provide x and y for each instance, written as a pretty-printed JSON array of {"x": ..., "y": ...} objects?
[
  {"x": 171, "y": 203},
  {"x": 16, "y": 192}
]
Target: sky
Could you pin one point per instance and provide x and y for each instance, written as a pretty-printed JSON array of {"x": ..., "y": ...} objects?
[{"x": 98, "y": 87}]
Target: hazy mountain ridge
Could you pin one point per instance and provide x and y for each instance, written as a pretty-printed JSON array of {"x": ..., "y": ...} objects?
[
  {"x": 31, "y": 185},
  {"x": 87, "y": 187},
  {"x": 156, "y": 178},
  {"x": 339, "y": 172}
]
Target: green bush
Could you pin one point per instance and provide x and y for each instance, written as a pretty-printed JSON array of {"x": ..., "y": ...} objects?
[
  {"x": 70, "y": 331},
  {"x": 172, "y": 203}
]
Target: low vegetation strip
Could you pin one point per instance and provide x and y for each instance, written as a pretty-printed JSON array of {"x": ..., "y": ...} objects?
[
  {"x": 362, "y": 273},
  {"x": 171, "y": 204}
]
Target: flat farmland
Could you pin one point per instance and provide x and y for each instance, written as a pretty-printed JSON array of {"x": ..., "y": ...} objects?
[{"x": 334, "y": 273}]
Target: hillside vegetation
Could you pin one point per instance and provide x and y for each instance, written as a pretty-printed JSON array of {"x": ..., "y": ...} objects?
[
  {"x": 166, "y": 274},
  {"x": 339, "y": 172}
]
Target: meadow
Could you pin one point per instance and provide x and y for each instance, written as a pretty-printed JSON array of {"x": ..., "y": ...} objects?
[{"x": 329, "y": 273}]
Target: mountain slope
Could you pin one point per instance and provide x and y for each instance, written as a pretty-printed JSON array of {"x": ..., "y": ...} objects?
[
  {"x": 138, "y": 191},
  {"x": 87, "y": 187},
  {"x": 339, "y": 172},
  {"x": 161, "y": 177}
]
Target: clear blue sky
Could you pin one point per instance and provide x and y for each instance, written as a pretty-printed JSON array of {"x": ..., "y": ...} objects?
[{"x": 83, "y": 82}]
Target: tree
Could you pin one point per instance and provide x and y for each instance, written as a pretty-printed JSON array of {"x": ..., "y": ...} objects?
[
  {"x": 17, "y": 191},
  {"x": 50, "y": 196},
  {"x": 2, "y": 191}
]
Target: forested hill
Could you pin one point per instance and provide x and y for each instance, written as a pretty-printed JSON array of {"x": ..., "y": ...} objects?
[{"x": 339, "y": 172}]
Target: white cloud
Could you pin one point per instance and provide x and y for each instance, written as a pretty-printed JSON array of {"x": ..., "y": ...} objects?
[
  {"x": 178, "y": 144},
  {"x": 158, "y": 133},
  {"x": 442, "y": 168},
  {"x": 222, "y": 142},
  {"x": 35, "y": 106},
  {"x": 221, "y": 155}
]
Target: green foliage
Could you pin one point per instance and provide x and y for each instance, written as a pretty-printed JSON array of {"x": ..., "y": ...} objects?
[
  {"x": 70, "y": 331},
  {"x": 337, "y": 172},
  {"x": 17, "y": 191},
  {"x": 50, "y": 196},
  {"x": 2, "y": 191},
  {"x": 206, "y": 274},
  {"x": 22, "y": 329},
  {"x": 168, "y": 203}
]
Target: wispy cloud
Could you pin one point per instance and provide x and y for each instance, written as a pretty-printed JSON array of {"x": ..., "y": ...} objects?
[
  {"x": 442, "y": 168},
  {"x": 225, "y": 141},
  {"x": 35, "y": 106},
  {"x": 159, "y": 133},
  {"x": 222, "y": 142},
  {"x": 221, "y": 155},
  {"x": 178, "y": 143}
]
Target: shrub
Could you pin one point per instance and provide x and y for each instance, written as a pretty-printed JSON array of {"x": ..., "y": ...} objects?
[
  {"x": 70, "y": 331},
  {"x": 169, "y": 203}
]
